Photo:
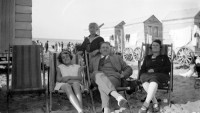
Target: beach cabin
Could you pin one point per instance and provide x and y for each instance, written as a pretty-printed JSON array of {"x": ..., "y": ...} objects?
[
  {"x": 182, "y": 29},
  {"x": 142, "y": 30},
  {"x": 114, "y": 33},
  {"x": 15, "y": 23}
]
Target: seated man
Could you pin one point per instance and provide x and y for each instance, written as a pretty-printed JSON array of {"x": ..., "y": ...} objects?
[{"x": 106, "y": 72}]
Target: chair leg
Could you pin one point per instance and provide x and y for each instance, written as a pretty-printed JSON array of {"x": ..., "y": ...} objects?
[
  {"x": 50, "y": 106},
  {"x": 92, "y": 101},
  {"x": 46, "y": 99},
  {"x": 126, "y": 97},
  {"x": 169, "y": 97},
  {"x": 7, "y": 105}
]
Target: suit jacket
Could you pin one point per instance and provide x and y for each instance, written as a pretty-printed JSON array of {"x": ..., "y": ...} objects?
[{"x": 117, "y": 62}]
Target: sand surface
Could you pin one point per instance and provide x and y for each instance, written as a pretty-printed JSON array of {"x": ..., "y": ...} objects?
[{"x": 185, "y": 99}]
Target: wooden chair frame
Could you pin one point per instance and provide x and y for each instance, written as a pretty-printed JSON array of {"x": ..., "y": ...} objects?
[{"x": 165, "y": 50}]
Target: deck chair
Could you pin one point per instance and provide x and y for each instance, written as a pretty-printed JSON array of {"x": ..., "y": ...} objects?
[
  {"x": 52, "y": 76},
  {"x": 26, "y": 74},
  {"x": 123, "y": 87},
  {"x": 166, "y": 50}
]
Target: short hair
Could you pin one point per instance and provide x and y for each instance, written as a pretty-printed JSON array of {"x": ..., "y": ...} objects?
[
  {"x": 157, "y": 41},
  {"x": 108, "y": 43},
  {"x": 93, "y": 23},
  {"x": 64, "y": 52}
]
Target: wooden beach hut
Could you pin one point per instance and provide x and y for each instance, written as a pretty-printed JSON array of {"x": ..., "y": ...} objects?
[
  {"x": 182, "y": 29},
  {"x": 144, "y": 29},
  {"x": 138, "y": 31},
  {"x": 15, "y": 23}
]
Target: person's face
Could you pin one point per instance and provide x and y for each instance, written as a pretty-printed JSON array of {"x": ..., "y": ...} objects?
[
  {"x": 93, "y": 29},
  {"x": 105, "y": 49},
  {"x": 155, "y": 47},
  {"x": 66, "y": 58}
]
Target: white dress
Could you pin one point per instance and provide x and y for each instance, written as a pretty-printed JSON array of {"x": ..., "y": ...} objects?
[{"x": 71, "y": 70}]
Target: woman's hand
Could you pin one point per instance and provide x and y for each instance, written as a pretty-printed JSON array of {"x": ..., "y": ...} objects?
[
  {"x": 79, "y": 52},
  {"x": 94, "y": 52},
  {"x": 65, "y": 79},
  {"x": 150, "y": 70}
]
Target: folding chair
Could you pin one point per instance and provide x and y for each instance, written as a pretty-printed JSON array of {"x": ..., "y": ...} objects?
[
  {"x": 53, "y": 64},
  {"x": 26, "y": 71},
  {"x": 122, "y": 88},
  {"x": 167, "y": 49}
]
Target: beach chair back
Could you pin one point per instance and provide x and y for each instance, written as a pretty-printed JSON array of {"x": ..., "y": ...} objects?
[
  {"x": 26, "y": 67},
  {"x": 166, "y": 49},
  {"x": 53, "y": 63}
]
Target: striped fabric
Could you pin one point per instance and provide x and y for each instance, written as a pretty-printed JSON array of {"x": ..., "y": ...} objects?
[{"x": 26, "y": 67}]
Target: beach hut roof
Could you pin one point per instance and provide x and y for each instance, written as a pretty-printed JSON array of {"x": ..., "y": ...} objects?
[
  {"x": 182, "y": 14},
  {"x": 110, "y": 25},
  {"x": 138, "y": 20}
]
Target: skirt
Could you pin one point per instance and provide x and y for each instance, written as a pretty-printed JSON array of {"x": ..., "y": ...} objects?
[
  {"x": 59, "y": 84},
  {"x": 154, "y": 77}
]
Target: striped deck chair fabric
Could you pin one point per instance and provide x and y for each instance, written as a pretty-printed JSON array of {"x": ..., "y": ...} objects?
[
  {"x": 26, "y": 68},
  {"x": 26, "y": 71}
]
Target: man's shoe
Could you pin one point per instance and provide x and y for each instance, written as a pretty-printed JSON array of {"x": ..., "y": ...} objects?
[
  {"x": 156, "y": 107},
  {"x": 121, "y": 101}
]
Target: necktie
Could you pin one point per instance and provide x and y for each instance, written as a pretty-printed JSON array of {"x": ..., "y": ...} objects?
[{"x": 101, "y": 61}]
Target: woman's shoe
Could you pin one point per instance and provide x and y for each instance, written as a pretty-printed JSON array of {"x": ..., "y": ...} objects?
[
  {"x": 156, "y": 107},
  {"x": 143, "y": 109}
]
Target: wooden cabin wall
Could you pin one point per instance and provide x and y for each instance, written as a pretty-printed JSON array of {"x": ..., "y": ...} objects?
[
  {"x": 15, "y": 23},
  {"x": 150, "y": 29},
  {"x": 6, "y": 23},
  {"x": 135, "y": 30},
  {"x": 197, "y": 20},
  {"x": 23, "y": 22},
  {"x": 170, "y": 25}
]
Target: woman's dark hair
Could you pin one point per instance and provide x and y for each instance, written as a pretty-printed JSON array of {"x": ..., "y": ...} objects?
[
  {"x": 64, "y": 52},
  {"x": 157, "y": 41}
]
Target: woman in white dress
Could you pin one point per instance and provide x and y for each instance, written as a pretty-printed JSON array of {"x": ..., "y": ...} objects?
[{"x": 69, "y": 79}]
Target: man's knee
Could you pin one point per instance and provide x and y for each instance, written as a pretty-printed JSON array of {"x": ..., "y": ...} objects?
[{"x": 99, "y": 75}]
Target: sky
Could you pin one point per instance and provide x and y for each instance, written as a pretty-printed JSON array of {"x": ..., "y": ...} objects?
[{"x": 69, "y": 19}]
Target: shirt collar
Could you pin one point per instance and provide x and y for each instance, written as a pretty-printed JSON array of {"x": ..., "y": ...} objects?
[{"x": 103, "y": 56}]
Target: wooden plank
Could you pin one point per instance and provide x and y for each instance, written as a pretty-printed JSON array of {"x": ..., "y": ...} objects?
[
  {"x": 23, "y": 17},
  {"x": 1, "y": 8},
  {"x": 24, "y": 2},
  {"x": 23, "y": 9},
  {"x": 23, "y": 34},
  {"x": 23, "y": 25},
  {"x": 6, "y": 24}
]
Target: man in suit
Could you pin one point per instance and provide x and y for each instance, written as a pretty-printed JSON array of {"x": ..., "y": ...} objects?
[{"x": 106, "y": 72}]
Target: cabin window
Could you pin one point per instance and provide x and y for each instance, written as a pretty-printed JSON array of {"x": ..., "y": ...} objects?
[
  {"x": 155, "y": 31},
  {"x": 149, "y": 29}
]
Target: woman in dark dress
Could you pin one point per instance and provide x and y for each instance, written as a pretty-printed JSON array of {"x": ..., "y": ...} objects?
[
  {"x": 91, "y": 43},
  {"x": 154, "y": 71}
]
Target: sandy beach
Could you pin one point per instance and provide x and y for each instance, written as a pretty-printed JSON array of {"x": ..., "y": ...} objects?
[{"x": 185, "y": 99}]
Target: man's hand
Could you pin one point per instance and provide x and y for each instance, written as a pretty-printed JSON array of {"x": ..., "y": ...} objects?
[
  {"x": 121, "y": 76},
  {"x": 79, "y": 52},
  {"x": 150, "y": 70}
]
